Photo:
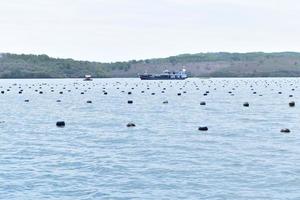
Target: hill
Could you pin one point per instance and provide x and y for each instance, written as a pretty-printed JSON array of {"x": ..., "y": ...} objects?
[{"x": 257, "y": 64}]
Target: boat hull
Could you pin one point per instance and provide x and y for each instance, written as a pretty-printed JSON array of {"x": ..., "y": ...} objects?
[{"x": 160, "y": 78}]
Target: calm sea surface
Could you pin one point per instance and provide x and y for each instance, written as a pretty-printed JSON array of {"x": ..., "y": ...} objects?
[{"x": 243, "y": 155}]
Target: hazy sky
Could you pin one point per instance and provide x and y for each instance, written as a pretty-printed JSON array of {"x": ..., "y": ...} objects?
[{"x": 116, "y": 30}]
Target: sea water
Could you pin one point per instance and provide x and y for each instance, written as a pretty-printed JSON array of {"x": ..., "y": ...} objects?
[{"x": 243, "y": 155}]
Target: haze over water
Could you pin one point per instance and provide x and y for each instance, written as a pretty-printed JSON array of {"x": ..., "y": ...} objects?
[{"x": 243, "y": 155}]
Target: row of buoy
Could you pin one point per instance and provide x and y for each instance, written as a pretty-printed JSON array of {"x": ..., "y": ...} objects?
[
  {"x": 130, "y": 124},
  {"x": 136, "y": 85},
  {"x": 226, "y": 84},
  {"x": 203, "y": 103}
]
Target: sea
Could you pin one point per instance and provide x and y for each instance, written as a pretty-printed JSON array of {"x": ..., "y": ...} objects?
[{"x": 242, "y": 156}]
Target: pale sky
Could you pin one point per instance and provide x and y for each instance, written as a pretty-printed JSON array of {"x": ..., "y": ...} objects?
[{"x": 120, "y": 30}]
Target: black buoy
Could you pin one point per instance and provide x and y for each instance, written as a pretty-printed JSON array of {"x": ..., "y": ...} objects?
[
  {"x": 60, "y": 124},
  {"x": 246, "y": 104},
  {"x": 285, "y": 130},
  {"x": 165, "y": 102},
  {"x": 130, "y": 101},
  {"x": 89, "y": 101},
  {"x": 203, "y": 128},
  {"x": 130, "y": 125},
  {"x": 203, "y": 103},
  {"x": 292, "y": 104}
]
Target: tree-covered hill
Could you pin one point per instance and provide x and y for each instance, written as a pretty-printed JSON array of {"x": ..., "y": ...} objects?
[{"x": 200, "y": 65}]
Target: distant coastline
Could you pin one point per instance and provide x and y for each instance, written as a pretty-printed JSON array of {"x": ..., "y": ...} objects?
[{"x": 256, "y": 64}]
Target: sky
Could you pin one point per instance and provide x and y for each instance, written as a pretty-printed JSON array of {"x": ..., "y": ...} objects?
[{"x": 121, "y": 30}]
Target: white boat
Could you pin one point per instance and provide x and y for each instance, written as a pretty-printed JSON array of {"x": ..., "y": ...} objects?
[
  {"x": 166, "y": 75},
  {"x": 87, "y": 78}
]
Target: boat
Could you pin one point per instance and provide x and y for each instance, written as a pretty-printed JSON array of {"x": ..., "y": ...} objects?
[
  {"x": 166, "y": 75},
  {"x": 88, "y": 78}
]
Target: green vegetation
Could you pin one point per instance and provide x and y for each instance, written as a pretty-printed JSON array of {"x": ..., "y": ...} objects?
[{"x": 202, "y": 64}]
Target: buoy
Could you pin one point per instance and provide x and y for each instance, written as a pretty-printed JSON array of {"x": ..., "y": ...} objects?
[
  {"x": 165, "y": 102},
  {"x": 285, "y": 130},
  {"x": 130, "y": 101},
  {"x": 292, "y": 104},
  {"x": 246, "y": 104},
  {"x": 203, "y": 128},
  {"x": 89, "y": 101},
  {"x": 60, "y": 124},
  {"x": 26, "y": 100},
  {"x": 203, "y": 103},
  {"x": 130, "y": 125}
]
